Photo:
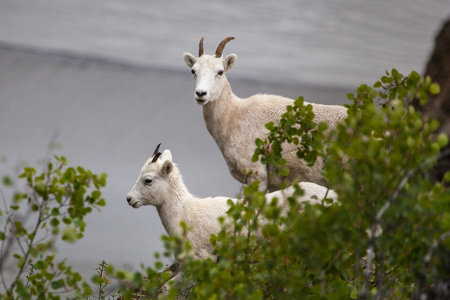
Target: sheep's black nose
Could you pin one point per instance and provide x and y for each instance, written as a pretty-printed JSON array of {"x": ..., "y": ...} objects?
[
  {"x": 128, "y": 199},
  {"x": 200, "y": 93}
]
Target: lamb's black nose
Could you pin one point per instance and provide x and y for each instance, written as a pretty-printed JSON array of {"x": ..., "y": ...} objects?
[{"x": 128, "y": 199}]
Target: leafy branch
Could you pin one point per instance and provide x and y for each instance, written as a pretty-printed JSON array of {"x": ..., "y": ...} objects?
[{"x": 53, "y": 206}]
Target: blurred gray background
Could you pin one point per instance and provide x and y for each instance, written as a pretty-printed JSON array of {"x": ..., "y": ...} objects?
[{"x": 107, "y": 81}]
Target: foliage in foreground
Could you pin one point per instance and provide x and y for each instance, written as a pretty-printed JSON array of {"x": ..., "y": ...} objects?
[
  {"x": 387, "y": 237},
  {"x": 53, "y": 207}
]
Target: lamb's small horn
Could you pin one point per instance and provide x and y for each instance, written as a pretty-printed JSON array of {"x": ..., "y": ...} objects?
[
  {"x": 155, "y": 158},
  {"x": 222, "y": 45},
  {"x": 200, "y": 47},
  {"x": 156, "y": 150}
]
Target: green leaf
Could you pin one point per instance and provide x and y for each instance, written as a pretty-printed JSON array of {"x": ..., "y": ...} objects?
[
  {"x": 58, "y": 284},
  {"x": 101, "y": 202},
  {"x": 158, "y": 265},
  {"x": 77, "y": 277},
  {"x": 322, "y": 126},
  {"x": 96, "y": 194},
  {"x": 435, "y": 89},
  {"x": 102, "y": 181},
  {"x": 394, "y": 73},
  {"x": 445, "y": 221},
  {"x": 41, "y": 265},
  {"x": 284, "y": 171},
  {"x": 447, "y": 176},
  {"x": 19, "y": 229},
  {"x": 54, "y": 222},
  {"x": 299, "y": 102},
  {"x": 442, "y": 139},
  {"x": 7, "y": 181},
  {"x": 40, "y": 187},
  {"x": 354, "y": 294},
  {"x": 70, "y": 235},
  {"x": 258, "y": 142}
]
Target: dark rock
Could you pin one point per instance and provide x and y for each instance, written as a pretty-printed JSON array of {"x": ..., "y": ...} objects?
[{"x": 438, "y": 107}]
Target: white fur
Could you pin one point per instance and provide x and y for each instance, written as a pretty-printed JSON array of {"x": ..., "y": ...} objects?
[
  {"x": 235, "y": 123},
  {"x": 160, "y": 184}
]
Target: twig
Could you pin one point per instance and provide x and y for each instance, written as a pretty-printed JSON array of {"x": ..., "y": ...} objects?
[
  {"x": 4, "y": 252},
  {"x": 433, "y": 247},
  {"x": 100, "y": 273},
  {"x": 268, "y": 177},
  {"x": 29, "y": 274},
  {"x": 324, "y": 271},
  {"x": 28, "y": 250}
]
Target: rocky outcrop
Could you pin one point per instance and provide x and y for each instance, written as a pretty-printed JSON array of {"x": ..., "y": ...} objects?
[{"x": 438, "y": 107}]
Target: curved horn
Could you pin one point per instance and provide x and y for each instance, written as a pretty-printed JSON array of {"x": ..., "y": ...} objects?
[
  {"x": 222, "y": 45},
  {"x": 156, "y": 150},
  {"x": 155, "y": 158},
  {"x": 200, "y": 47}
]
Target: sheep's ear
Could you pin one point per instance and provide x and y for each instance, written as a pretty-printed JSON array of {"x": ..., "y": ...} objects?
[
  {"x": 229, "y": 61},
  {"x": 167, "y": 167},
  {"x": 189, "y": 59},
  {"x": 166, "y": 155}
]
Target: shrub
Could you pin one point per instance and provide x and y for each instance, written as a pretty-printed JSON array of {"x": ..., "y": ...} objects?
[
  {"x": 387, "y": 236},
  {"x": 52, "y": 207}
]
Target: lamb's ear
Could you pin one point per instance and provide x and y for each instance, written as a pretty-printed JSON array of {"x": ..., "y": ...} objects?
[
  {"x": 167, "y": 167},
  {"x": 166, "y": 155},
  {"x": 229, "y": 61},
  {"x": 189, "y": 59}
]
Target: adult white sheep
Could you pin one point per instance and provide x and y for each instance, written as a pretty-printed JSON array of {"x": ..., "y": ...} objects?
[
  {"x": 160, "y": 184},
  {"x": 235, "y": 123}
]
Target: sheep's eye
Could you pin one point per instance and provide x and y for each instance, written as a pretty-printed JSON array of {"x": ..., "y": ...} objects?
[
  {"x": 193, "y": 71},
  {"x": 220, "y": 72},
  {"x": 148, "y": 181}
]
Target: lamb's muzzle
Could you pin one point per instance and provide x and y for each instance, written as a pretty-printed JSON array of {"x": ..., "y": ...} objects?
[{"x": 132, "y": 203}]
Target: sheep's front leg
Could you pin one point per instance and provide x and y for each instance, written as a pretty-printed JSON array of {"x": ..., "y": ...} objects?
[
  {"x": 175, "y": 283},
  {"x": 172, "y": 283}
]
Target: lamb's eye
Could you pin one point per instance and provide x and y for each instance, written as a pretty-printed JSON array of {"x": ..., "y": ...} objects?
[
  {"x": 220, "y": 72},
  {"x": 193, "y": 71},
  {"x": 148, "y": 181}
]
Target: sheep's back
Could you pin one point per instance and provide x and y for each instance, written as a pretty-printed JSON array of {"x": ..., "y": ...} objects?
[{"x": 202, "y": 216}]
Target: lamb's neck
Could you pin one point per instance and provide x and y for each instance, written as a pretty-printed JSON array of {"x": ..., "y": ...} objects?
[
  {"x": 219, "y": 113},
  {"x": 173, "y": 210}
]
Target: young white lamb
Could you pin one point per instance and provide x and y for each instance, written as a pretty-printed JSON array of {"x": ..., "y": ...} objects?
[
  {"x": 235, "y": 123},
  {"x": 160, "y": 184}
]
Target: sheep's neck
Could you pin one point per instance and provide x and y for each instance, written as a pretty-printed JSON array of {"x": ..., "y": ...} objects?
[
  {"x": 218, "y": 114},
  {"x": 173, "y": 210}
]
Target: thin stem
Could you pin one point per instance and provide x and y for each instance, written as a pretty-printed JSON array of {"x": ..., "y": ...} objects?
[
  {"x": 100, "y": 291},
  {"x": 27, "y": 252},
  {"x": 324, "y": 271}
]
